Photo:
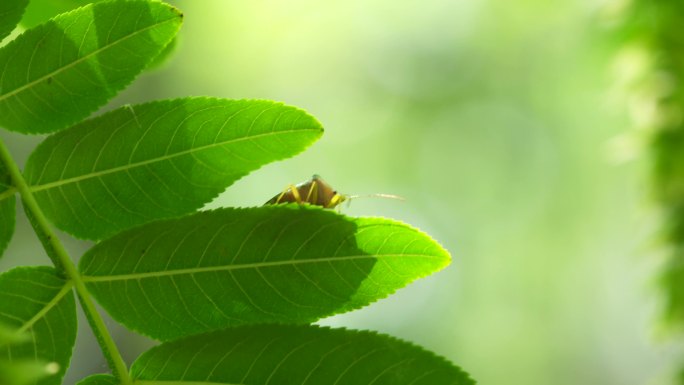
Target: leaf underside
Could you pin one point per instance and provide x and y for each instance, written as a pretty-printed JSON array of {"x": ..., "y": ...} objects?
[
  {"x": 59, "y": 72},
  {"x": 36, "y": 301},
  {"x": 158, "y": 160},
  {"x": 303, "y": 355},
  {"x": 10, "y": 14},
  {"x": 271, "y": 264},
  {"x": 7, "y": 209}
]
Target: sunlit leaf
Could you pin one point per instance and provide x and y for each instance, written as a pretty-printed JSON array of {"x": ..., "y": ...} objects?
[
  {"x": 10, "y": 14},
  {"x": 100, "y": 379},
  {"x": 158, "y": 160},
  {"x": 286, "y": 355},
  {"x": 40, "y": 11},
  {"x": 284, "y": 264},
  {"x": 36, "y": 301},
  {"x": 7, "y": 208},
  {"x": 59, "y": 72}
]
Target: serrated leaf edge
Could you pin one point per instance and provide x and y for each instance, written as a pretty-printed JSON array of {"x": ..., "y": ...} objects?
[
  {"x": 62, "y": 182},
  {"x": 371, "y": 333}
]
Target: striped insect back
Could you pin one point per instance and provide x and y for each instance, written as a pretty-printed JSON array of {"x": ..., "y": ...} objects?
[{"x": 314, "y": 191}]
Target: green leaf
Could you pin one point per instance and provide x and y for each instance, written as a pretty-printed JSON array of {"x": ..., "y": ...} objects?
[
  {"x": 58, "y": 73},
  {"x": 36, "y": 300},
  {"x": 7, "y": 208},
  {"x": 306, "y": 355},
  {"x": 158, "y": 160},
  {"x": 100, "y": 379},
  {"x": 272, "y": 264},
  {"x": 10, "y": 14},
  {"x": 40, "y": 11}
]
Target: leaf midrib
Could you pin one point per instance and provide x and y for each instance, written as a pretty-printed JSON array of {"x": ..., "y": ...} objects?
[
  {"x": 197, "y": 270},
  {"x": 129, "y": 166},
  {"x": 81, "y": 59}
]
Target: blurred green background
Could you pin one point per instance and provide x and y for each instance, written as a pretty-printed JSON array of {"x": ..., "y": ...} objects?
[{"x": 503, "y": 126}]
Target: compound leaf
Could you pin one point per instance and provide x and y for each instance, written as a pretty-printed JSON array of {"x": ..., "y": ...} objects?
[
  {"x": 59, "y": 72},
  {"x": 158, "y": 160},
  {"x": 7, "y": 208},
  {"x": 284, "y": 355},
  {"x": 10, "y": 14},
  {"x": 272, "y": 264},
  {"x": 35, "y": 300}
]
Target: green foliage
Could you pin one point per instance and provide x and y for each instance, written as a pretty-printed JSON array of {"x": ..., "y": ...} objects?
[
  {"x": 136, "y": 176},
  {"x": 10, "y": 14},
  {"x": 7, "y": 209},
  {"x": 158, "y": 160},
  {"x": 657, "y": 28},
  {"x": 36, "y": 300},
  {"x": 283, "y": 355},
  {"x": 59, "y": 72},
  {"x": 290, "y": 264}
]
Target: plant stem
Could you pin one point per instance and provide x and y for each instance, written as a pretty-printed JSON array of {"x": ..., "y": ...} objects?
[{"x": 109, "y": 349}]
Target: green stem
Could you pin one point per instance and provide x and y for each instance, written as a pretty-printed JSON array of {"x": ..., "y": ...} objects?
[{"x": 111, "y": 352}]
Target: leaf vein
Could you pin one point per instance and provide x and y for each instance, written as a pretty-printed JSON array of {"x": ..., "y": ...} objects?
[{"x": 92, "y": 278}]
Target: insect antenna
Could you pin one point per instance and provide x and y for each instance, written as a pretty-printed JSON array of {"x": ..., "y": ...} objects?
[{"x": 349, "y": 198}]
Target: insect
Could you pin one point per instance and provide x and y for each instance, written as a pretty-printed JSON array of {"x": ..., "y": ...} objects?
[{"x": 316, "y": 192}]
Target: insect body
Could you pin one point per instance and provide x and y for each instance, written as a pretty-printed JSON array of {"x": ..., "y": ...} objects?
[{"x": 315, "y": 191}]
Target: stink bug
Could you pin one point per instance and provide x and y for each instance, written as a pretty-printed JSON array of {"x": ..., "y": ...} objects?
[{"x": 317, "y": 192}]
